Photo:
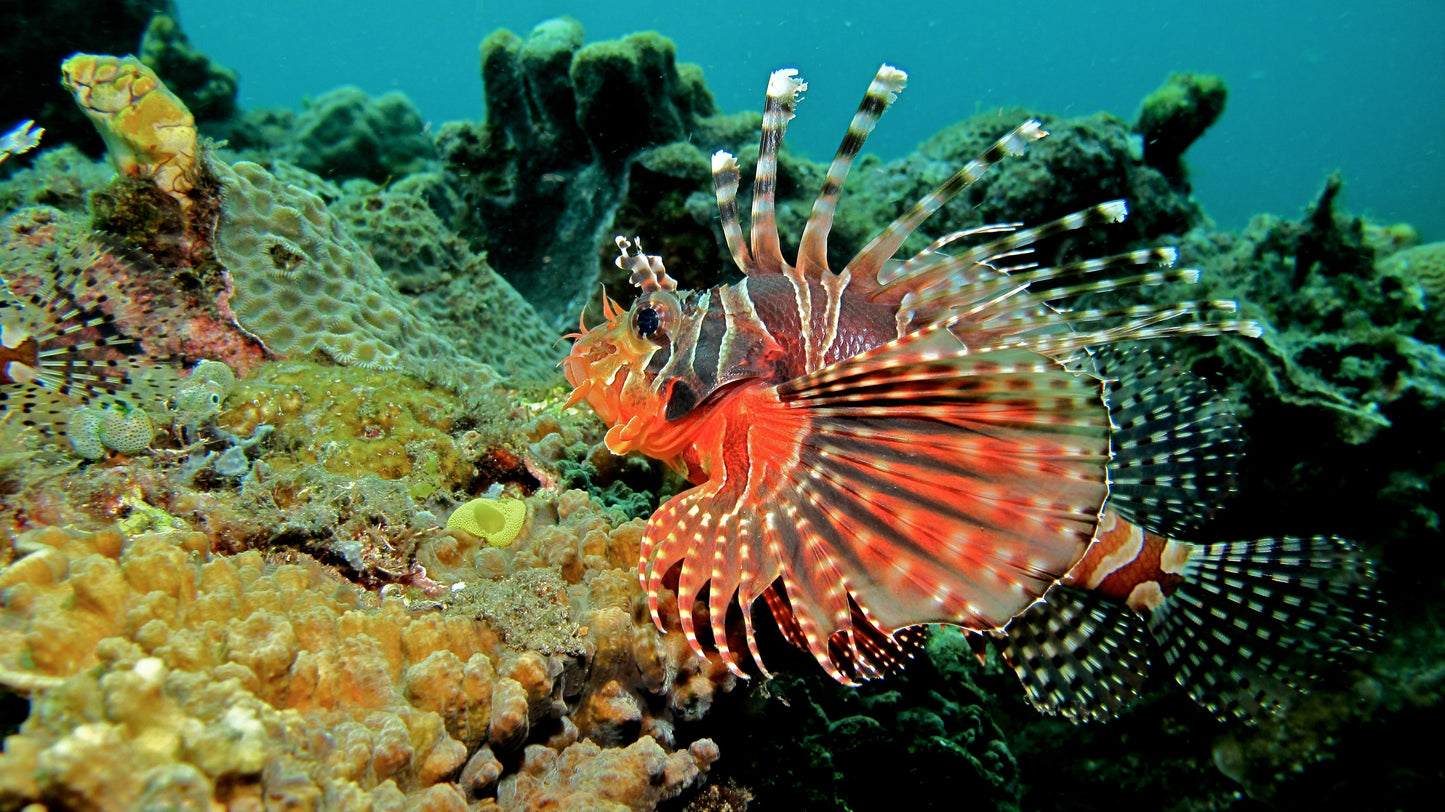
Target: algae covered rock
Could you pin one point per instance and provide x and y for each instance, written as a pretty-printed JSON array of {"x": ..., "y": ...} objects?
[
  {"x": 1176, "y": 115},
  {"x": 345, "y": 133}
]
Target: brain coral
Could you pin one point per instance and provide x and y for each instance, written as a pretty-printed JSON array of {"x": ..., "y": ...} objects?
[
  {"x": 474, "y": 307},
  {"x": 162, "y": 675},
  {"x": 302, "y": 285}
]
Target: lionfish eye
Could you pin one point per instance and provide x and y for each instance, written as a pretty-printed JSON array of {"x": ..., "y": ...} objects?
[
  {"x": 647, "y": 321},
  {"x": 654, "y": 315}
]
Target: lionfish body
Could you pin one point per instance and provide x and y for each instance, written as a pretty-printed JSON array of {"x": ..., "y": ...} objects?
[
  {"x": 60, "y": 343},
  {"x": 925, "y": 440}
]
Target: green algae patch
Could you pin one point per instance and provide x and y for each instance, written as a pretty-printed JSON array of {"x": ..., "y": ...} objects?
[{"x": 354, "y": 422}]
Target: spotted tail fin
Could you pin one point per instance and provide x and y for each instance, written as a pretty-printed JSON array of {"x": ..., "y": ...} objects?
[
  {"x": 1255, "y": 622},
  {"x": 1077, "y": 655}
]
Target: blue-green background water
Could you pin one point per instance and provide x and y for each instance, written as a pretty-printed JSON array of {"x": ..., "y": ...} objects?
[{"x": 1314, "y": 87}]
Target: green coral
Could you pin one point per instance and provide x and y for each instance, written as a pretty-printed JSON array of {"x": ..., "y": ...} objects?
[
  {"x": 1175, "y": 115},
  {"x": 303, "y": 285}
]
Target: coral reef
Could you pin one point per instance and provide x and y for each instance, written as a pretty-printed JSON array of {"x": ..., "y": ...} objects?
[
  {"x": 302, "y": 285},
  {"x": 474, "y": 308},
  {"x": 62, "y": 177},
  {"x": 537, "y": 183},
  {"x": 260, "y": 605},
  {"x": 235, "y": 677},
  {"x": 1083, "y": 161},
  {"x": 344, "y": 133}
]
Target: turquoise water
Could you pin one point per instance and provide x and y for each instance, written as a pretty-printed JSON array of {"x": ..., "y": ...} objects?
[{"x": 1341, "y": 86}]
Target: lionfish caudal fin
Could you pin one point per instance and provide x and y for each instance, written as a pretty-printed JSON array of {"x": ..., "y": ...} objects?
[
  {"x": 60, "y": 343},
  {"x": 921, "y": 481},
  {"x": 1244, "y": 626}
]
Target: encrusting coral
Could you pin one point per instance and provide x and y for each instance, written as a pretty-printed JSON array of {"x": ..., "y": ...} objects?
[{"x": 160, "y": 673}]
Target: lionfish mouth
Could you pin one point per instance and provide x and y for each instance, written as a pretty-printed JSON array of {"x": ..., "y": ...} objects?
[{"x": 577, "y": 366}]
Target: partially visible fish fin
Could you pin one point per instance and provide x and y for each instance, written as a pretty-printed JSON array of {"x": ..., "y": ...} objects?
[
  {"x": 983, "y": 287},
  {"x": 1254, "y": 622},
  {"x": 866, "y": 653},
  {"x": 1175, "y": 444},
  {"x": 1078, "y": 655},
  {"x": 871, "y": 261},
  {"x": 61, "y": 340},
  {"x": 785, "y": 89},
  {"x": 882, "y": 92}
]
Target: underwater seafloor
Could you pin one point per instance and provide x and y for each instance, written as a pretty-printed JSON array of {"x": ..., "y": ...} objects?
[{"x": 262, "y": 607}]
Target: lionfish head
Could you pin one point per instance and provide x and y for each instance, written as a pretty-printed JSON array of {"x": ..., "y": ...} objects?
[{"x": 619, "y": 367}]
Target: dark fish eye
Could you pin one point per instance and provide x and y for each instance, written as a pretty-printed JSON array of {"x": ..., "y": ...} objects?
[{"x": 646, "y": 321}]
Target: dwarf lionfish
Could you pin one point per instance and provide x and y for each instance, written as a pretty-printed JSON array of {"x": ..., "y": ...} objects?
[{"x": 952, "y": 437}]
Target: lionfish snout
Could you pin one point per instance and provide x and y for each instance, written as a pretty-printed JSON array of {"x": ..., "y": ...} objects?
[{"x": 601, "y": 360}]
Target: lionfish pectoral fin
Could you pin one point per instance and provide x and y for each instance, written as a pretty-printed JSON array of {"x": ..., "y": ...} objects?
[
  {"x": 1255, "y": 622},
  {"x": 1079, "y": 655},
  {"x": 1175, "y": 445},
  {"x": 925, "y": 482}
]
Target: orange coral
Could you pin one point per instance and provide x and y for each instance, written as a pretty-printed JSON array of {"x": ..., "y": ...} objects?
[
  {"x": 159, "y": 670},
  {"x": 147, "y": 130}
]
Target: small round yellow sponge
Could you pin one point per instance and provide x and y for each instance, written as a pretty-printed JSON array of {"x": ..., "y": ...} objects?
[{"x": 499, "y": 521}]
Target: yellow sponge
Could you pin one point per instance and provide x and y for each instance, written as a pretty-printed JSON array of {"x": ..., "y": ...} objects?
[{"x": 499, "y": 521}]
